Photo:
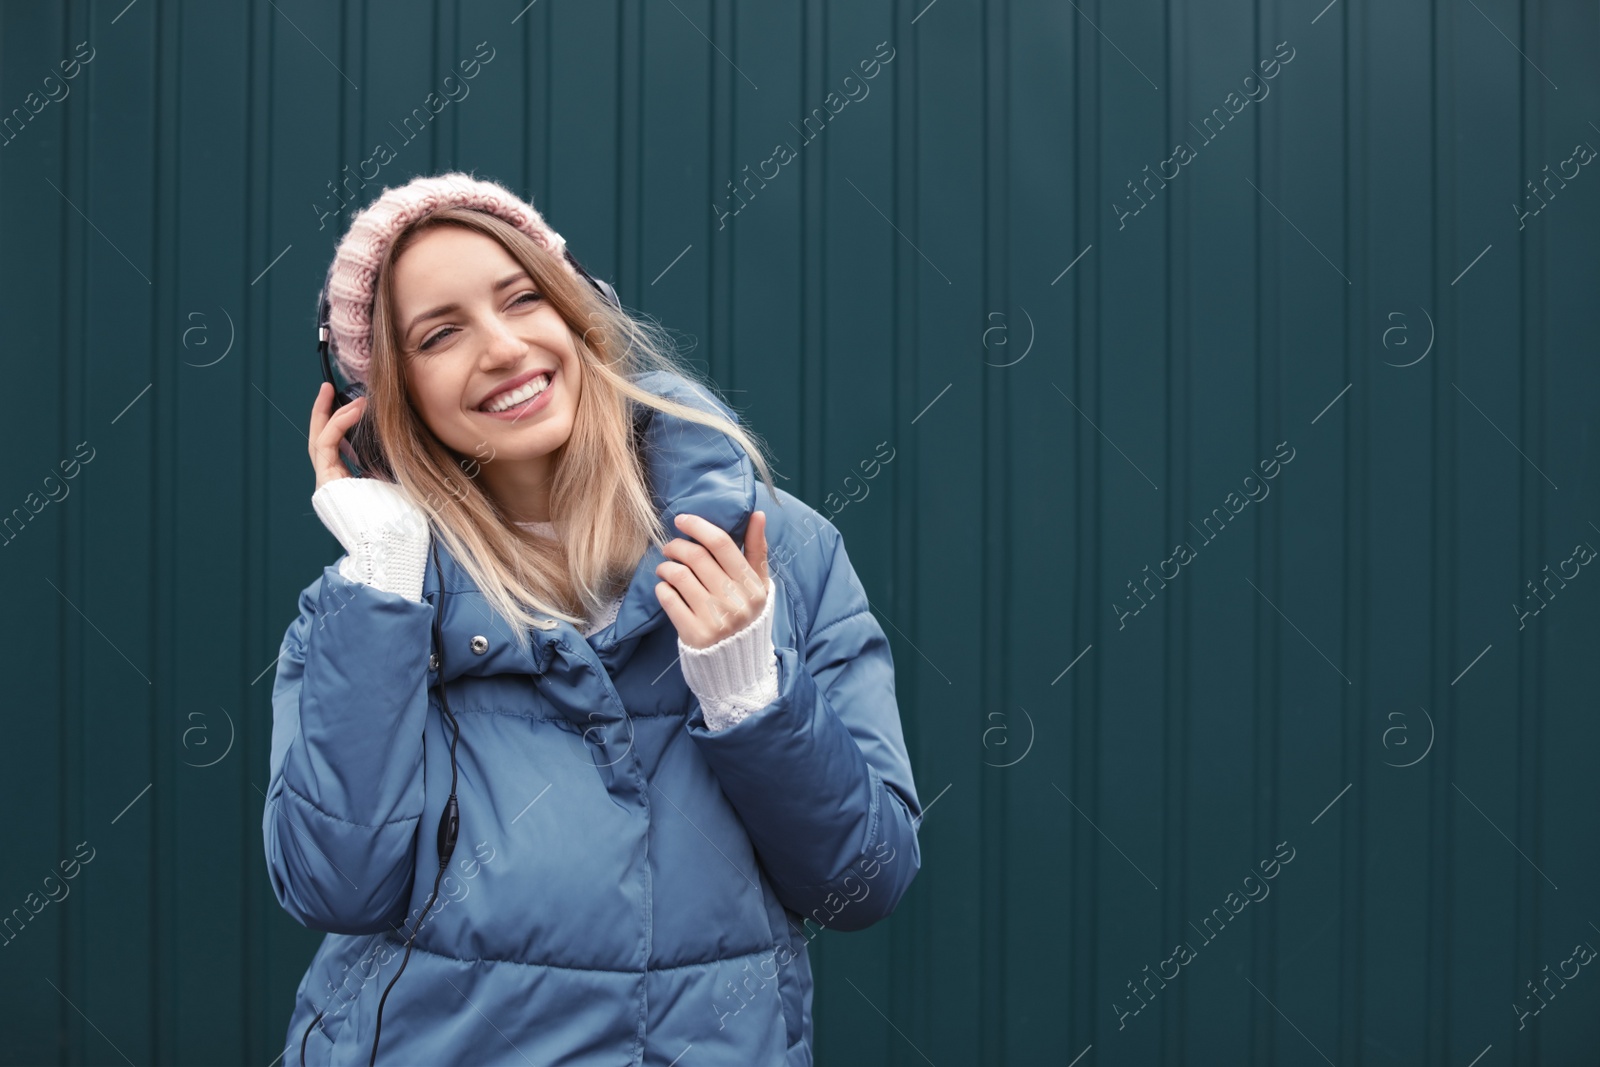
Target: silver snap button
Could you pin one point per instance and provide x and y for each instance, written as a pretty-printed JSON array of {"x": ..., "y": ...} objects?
[
  {"x": 480, "y": 644},
  {"x": 433, "y": 661}
]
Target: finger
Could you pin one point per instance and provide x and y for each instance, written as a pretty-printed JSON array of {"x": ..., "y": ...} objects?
[
  {"x": 322, "y": 413},
  {"x": 689, "y": 587},
  {"x": 755, "y": 546},
  {"x": 319, "y": 414},
  {"x": 736, "y": 608},
  {"x": 720, "y": 550},
  {"x": 682, "y": 618},
  {"x": 726, "y": 598},
  {"x": 697, "y": 559},
  {"x": 325, "y": 454},
  {"x": 345, "y": 417},
  {"x": 325, "y": 449}
]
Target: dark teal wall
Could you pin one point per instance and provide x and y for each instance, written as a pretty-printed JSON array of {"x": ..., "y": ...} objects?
[{"x": 1350, "y": 267}]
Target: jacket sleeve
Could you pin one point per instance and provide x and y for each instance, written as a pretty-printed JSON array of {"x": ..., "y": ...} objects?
[
  {"x": 345, "y": 788},
  {"x": 820, "y": 776}
]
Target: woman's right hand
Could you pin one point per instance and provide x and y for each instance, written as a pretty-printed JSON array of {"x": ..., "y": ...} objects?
[
  {"x": 328, "y": 428},
  {"x": 385, "y": 536}
]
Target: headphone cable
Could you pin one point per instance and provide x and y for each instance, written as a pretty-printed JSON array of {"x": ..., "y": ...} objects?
[
  {"x": 449, "y": 820},
  {"x": 449, "y": 829}
]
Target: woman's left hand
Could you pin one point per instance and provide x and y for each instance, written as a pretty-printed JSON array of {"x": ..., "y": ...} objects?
[{"x": 710, "y": 590}]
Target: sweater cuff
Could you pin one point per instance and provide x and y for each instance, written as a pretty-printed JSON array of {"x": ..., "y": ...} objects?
[
  {"x": 384, "y": 534},
  {"x": 738, "y": 674}
]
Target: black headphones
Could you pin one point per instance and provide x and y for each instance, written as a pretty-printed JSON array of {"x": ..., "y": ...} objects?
[{"x": 360, "y": 446}]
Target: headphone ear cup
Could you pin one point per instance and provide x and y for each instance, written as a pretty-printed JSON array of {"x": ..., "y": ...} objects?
[
  {"x": 360, "y": 443},
  {"x": 359, "y": 446},
  {"x": 607, "y": 291},
  {"x": 599, "y": 284},
  {"x": 369, "y": 454}
]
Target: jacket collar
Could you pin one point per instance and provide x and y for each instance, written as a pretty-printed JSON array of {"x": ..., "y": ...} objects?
[{"x": 691, "y": 469}]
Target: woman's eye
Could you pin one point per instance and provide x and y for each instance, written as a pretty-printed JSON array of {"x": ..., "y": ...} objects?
[{"x": 425, "y": 345}]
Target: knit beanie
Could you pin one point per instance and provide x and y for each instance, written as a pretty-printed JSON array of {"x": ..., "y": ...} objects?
[{"x": 352, "y": 277}]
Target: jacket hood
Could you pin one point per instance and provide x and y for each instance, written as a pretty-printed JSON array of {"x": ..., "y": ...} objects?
[{"x": 692, "y": 469}]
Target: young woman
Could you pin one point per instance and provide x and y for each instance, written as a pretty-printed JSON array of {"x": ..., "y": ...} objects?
[{"x": 589, "y": 731}]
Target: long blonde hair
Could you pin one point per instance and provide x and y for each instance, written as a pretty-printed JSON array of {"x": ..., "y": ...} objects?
[{"x": 600, "y": 494}]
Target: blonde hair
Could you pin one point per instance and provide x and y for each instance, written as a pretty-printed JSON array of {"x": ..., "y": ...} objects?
[{"x": 600, "y": 499}]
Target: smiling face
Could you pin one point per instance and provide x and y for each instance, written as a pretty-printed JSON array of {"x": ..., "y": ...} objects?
[{"x": 491, "y": 367}]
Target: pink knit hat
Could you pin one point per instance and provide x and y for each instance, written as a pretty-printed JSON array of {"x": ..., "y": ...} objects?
[{"x": 352, "y": 277}]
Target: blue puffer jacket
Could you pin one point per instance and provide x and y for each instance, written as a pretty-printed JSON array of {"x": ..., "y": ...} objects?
[{"x": 627, "y": 884}]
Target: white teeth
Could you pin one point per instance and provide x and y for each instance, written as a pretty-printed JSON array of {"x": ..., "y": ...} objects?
[{"x": 520, "y": 395}]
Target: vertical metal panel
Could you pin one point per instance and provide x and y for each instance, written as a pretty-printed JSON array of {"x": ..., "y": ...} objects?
[
  {"x": 853, "y": 350},
  {"x": 1032, "y": 322},
  {"x": 1075, "y": 357},
  {"x": 42, "y": 946},
  {"x": 311, "y": 72}
]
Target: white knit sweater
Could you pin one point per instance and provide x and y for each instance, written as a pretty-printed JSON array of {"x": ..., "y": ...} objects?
[{"x": 385, "y": 538}]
